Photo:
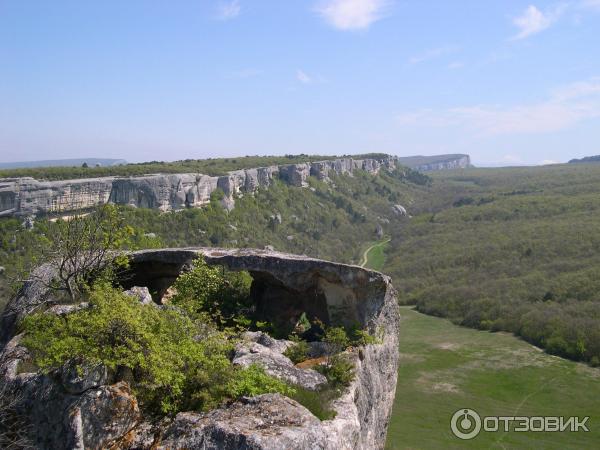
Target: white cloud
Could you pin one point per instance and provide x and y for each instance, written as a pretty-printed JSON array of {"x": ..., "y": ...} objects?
[
  {"x": 352, "y": 14},
  {"x": 534, "y": 21},
  {"x": 228, "y": 10},
  {"x": 302, "y": 77},
  {"x": 430, "y": 54},
  {"x": 546, "y": 162},
  {"x": 564, "y": 108}
]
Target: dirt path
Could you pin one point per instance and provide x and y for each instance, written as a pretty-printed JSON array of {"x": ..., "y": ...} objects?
[{"x": 365, "y": 256}]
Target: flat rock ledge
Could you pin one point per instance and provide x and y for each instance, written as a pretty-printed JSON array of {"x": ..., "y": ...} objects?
[{"x": 74, "y": 410}]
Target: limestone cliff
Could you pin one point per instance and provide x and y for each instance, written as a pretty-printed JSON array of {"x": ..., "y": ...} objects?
[
  {"x": 27, "y": 196},
  {"x": 72, "y": 409},
  {"x": 438, "y": 162}
]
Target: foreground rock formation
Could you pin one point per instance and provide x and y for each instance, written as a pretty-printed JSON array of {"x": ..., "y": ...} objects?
[
  {"x": 75, "y": 410},
  {"x": 27, "y": 196}
]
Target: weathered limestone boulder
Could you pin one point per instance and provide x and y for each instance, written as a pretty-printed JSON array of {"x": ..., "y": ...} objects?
[
  {"x": 71, "y": 408},
  {"x": 91, "y": 409},
  {"x": 78, "y": 377},
  {"x": 63, "y": 310},
  {"x": 259, "y": 348},
  {"x": 142, "y": 294},
  {"x": 399, "y": 210},
  {"x": 103, "y": 416},
  {"x": 266, "y": 422}
]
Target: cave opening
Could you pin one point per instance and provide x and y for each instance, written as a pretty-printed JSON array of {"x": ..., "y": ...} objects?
[{"x": 274, "y": 301}]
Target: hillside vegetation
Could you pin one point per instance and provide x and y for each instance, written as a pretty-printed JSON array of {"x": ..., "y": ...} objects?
[
  {"x": 331, "y": 221},
  {"x": 514, "y": 249}
]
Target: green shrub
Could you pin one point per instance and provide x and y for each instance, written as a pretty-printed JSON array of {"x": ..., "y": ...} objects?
[
  {"x": 253, "y": 381},
  {"x": 358, "y": 336},
  {"x": 223, "y": 295},
  {"x": 298, "y": 351},
  {"x": 171, "y": 369},
  {"x": 339, "y": 371},
  {"x": 336, "y": 339}
]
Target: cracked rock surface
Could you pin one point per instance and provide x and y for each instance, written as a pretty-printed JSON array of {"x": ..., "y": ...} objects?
[{"x": 89, "y": 409}]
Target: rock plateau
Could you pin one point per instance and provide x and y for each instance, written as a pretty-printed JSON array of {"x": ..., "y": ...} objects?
[{"x": 89, "y": 409}]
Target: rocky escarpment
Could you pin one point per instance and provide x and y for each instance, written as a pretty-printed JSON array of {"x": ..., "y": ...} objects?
[
  {"x": 27, "y": 196},
  {"x": 438, "y": 162},
  {"x": 72, "y": 409}
]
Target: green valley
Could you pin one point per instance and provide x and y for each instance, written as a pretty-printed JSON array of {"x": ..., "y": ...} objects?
[{"x": 444, "y": 367}]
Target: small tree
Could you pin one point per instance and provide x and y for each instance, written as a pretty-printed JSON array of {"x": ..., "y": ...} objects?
[
  {"x": 83, "y": 246},
  {"x": 336, "y": 339}
]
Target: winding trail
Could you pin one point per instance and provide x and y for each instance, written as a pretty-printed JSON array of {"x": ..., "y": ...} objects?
[{"x": 365, "y": 256}]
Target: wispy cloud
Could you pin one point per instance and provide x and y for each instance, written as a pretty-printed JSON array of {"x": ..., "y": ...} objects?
[
  {"x": 430, "y": 54},
  {"x": 564, "y": 108},
  {"x": 228, "y": 10},
  {"x": 302, "y": 77},
  {"x": 533, "y": 21},
  {"x": 352, "y": 14}
]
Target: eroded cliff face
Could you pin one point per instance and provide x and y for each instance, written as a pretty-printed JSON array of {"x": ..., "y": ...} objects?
[
  {"x": 27, "y": 196},
  {"x": 461, "y": 162},
  {"x": 74, "y": 410}
]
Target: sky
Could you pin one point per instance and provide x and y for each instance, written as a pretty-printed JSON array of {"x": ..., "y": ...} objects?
[{"x": 509, "y": 82}]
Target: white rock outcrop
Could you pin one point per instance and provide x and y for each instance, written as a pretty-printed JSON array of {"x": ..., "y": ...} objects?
[
  {"x": 89, "y": 407},
  {"x": 166, "y": 192}
]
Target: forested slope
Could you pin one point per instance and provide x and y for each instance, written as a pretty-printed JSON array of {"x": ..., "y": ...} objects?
[
  {"x": 327, "y": 220},
  {"x": 515, "y": 249}
]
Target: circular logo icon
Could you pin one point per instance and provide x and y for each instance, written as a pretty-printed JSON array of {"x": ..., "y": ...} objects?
[{"x": 465, "y": 424}]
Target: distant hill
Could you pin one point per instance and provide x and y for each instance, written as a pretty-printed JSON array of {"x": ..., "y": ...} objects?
[
  {"x": 586, "y": 159},
  {"x": 215, "y": 166},
  {"x": 62, "y": 163},
  {"x": 437, "y": 162}
]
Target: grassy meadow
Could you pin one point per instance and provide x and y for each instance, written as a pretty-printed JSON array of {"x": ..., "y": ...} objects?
[{"x": 444, "y": 367}]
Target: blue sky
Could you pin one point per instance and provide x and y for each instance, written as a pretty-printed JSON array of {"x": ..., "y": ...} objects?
[{"x": 509, "y": 82}]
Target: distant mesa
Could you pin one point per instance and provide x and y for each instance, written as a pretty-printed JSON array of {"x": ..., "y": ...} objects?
[
  {"x": 91, "y": 162},
  {"x": 26, "y": 196},
  {"x": 586, "y": 159},
  {"x": 437, "y": 162}
]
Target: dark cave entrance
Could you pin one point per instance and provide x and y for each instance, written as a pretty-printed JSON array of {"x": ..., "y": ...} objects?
[{"x": 273, "y": 300}]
